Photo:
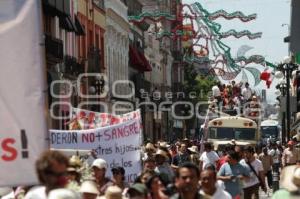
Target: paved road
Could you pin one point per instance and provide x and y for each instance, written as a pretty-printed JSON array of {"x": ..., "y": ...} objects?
[{"x": 263, "y": 195}]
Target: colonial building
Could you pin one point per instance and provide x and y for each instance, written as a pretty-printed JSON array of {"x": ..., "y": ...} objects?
[
  {"x": 91, "y": 50},
  {"x": 117, "y": 50},
  {"x": 62, "y": 29}
]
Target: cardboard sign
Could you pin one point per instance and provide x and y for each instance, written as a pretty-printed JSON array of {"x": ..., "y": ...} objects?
[{"x": 119, "y": 144}]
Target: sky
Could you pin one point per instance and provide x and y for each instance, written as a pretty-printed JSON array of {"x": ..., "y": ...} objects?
[{"x": 271, "y": 15}]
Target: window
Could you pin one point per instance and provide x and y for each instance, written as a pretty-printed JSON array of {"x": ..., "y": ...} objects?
[
  {"x": 226, "y": 133},
  {"x": 102, "y": 52},
  {"x": 90, "y": 38},
  {"x": 97, "y": 41},
  {"x": 99, "y": 3},
  {"x": 82, "y": 45}
]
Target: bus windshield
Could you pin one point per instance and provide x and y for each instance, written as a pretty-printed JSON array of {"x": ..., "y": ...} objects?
[
  {"x": 269, "y": 131},
  {"x": 231, "y": 133}
]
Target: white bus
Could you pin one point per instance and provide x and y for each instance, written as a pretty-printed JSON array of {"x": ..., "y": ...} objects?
[
  {"x": 221, "y": 131},
  {"x": 270, "y": 129}
]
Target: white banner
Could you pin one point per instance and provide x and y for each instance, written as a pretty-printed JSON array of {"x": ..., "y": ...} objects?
[
  {"x": 22, "y": 103},
  {"x": 119, "y": 144}
]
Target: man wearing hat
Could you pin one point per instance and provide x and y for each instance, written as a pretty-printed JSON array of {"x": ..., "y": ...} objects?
[
  {"x": 162, "y": 165},
  {"x": 289, "y": 155},
  {"x": 181, "y": 157},
  {"x": 99, "y": 167},
  {"x": 194, "y": 157},
  {"x": 89, "y": 190},
  {"x": 63, "y": 194},
  {"x": 289, "y": 183},
  {"x": 149, "y": 151},
  {"x": 137, "y": 190}
]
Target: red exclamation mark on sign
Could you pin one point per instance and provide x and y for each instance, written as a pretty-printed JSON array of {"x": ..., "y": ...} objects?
[{"x": 24, "y": 142}]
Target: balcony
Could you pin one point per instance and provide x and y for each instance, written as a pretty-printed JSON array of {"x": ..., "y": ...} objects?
[
  {"x": 141, "y": 85},
  {"x": 94, "y": 60},
  {"x": 99, "y": 3},
  {"x": 54, "y": 50},
  {"x": 177, "y": 87},
  {"x": 177, "y": 55},
  {"x": 118, "y": 7}
]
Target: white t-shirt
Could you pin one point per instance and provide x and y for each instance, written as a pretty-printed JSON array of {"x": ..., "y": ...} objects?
[
  {"x": 220, "y": 193},
  {"x": 257, "y": 166},
  {"x": 216, "y": 91},
  {"x": 210, "y": 157},
  {"x": 275, "y": 154},
  {"x": 38, "y": 192},
  {"x": 247, "y": 93},
  {"x": 220, "y": 184}
]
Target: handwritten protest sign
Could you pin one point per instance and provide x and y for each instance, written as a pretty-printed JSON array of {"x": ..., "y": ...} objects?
[
  {"x": 22, "y": 118},
  {"x": 119, "y": 144}
]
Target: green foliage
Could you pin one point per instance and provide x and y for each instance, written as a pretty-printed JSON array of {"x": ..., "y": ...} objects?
[{"x": 201, "y": 84}]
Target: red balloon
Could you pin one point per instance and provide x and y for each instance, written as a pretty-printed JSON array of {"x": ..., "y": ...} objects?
[{"x": 265, "y": 75}]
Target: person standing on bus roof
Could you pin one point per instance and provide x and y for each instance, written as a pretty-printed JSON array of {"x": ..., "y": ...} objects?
[{"x": 247, "y": 92}]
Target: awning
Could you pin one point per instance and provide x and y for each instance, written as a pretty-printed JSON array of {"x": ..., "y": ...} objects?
[
  {"x": 138, "y": 60},
  {"x": 80, "y": 29},
  {"x": 145, "y": 62},
  {"x": 295, "y": 125},
  {"x": 67, "y": 23}
]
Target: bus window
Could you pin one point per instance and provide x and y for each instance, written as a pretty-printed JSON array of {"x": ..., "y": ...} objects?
[
  {"x": 232, "y": 133},
  {"x": 213, "y": 133},
  {"x": 269, "y": 131},
  {"x": 244, "y": 134}
]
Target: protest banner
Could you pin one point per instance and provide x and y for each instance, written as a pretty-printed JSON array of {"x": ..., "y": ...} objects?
[
  {"x": 85, "y": 119},
  {"x": 22, "y": 103},
  {"x": 119, "y": 144}
]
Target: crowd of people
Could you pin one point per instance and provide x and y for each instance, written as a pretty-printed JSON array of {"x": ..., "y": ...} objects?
[
  {"x": 234, "y": 97},
  {"x": 168, "y": 171}
]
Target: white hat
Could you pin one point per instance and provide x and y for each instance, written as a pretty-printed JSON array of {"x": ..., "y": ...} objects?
[
  {"x": 100, "y": 163},
  {"x": 150, "y": 146},
  {"x": 89, "y": 186},
  {"x": 193, "y": 149},
  {"x": 113, "y": 192},
  {"x": 164, "y": 144},
  {"x": 63, "y": 194},
  {"x": 161, "y": 153},
  {"x": 5, "y": 190},
  {"x": 290, "y": 178}
]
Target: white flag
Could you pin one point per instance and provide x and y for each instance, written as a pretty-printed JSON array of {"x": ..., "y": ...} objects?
[{"x": 22, "y": 105}]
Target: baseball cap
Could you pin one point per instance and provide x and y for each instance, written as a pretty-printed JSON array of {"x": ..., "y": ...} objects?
[
  {"x": 139, "y": 187},
  {"x": 100, "y": 163}
]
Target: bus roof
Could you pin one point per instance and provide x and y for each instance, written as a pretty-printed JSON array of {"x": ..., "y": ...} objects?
[
  {"x": 232, "y": 121},
  {"x": 269, "y": 123}
]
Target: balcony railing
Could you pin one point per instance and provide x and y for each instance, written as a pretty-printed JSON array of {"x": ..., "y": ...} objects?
[
  {"x": 141, "y": 85},
  {"x": 117, "y": 6},
  {"x": 99, "y": 3},
  {"x": 177, "y": 87},
  {"x": 94, "y": 60},
  {"x": 54, "y": 49}
]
